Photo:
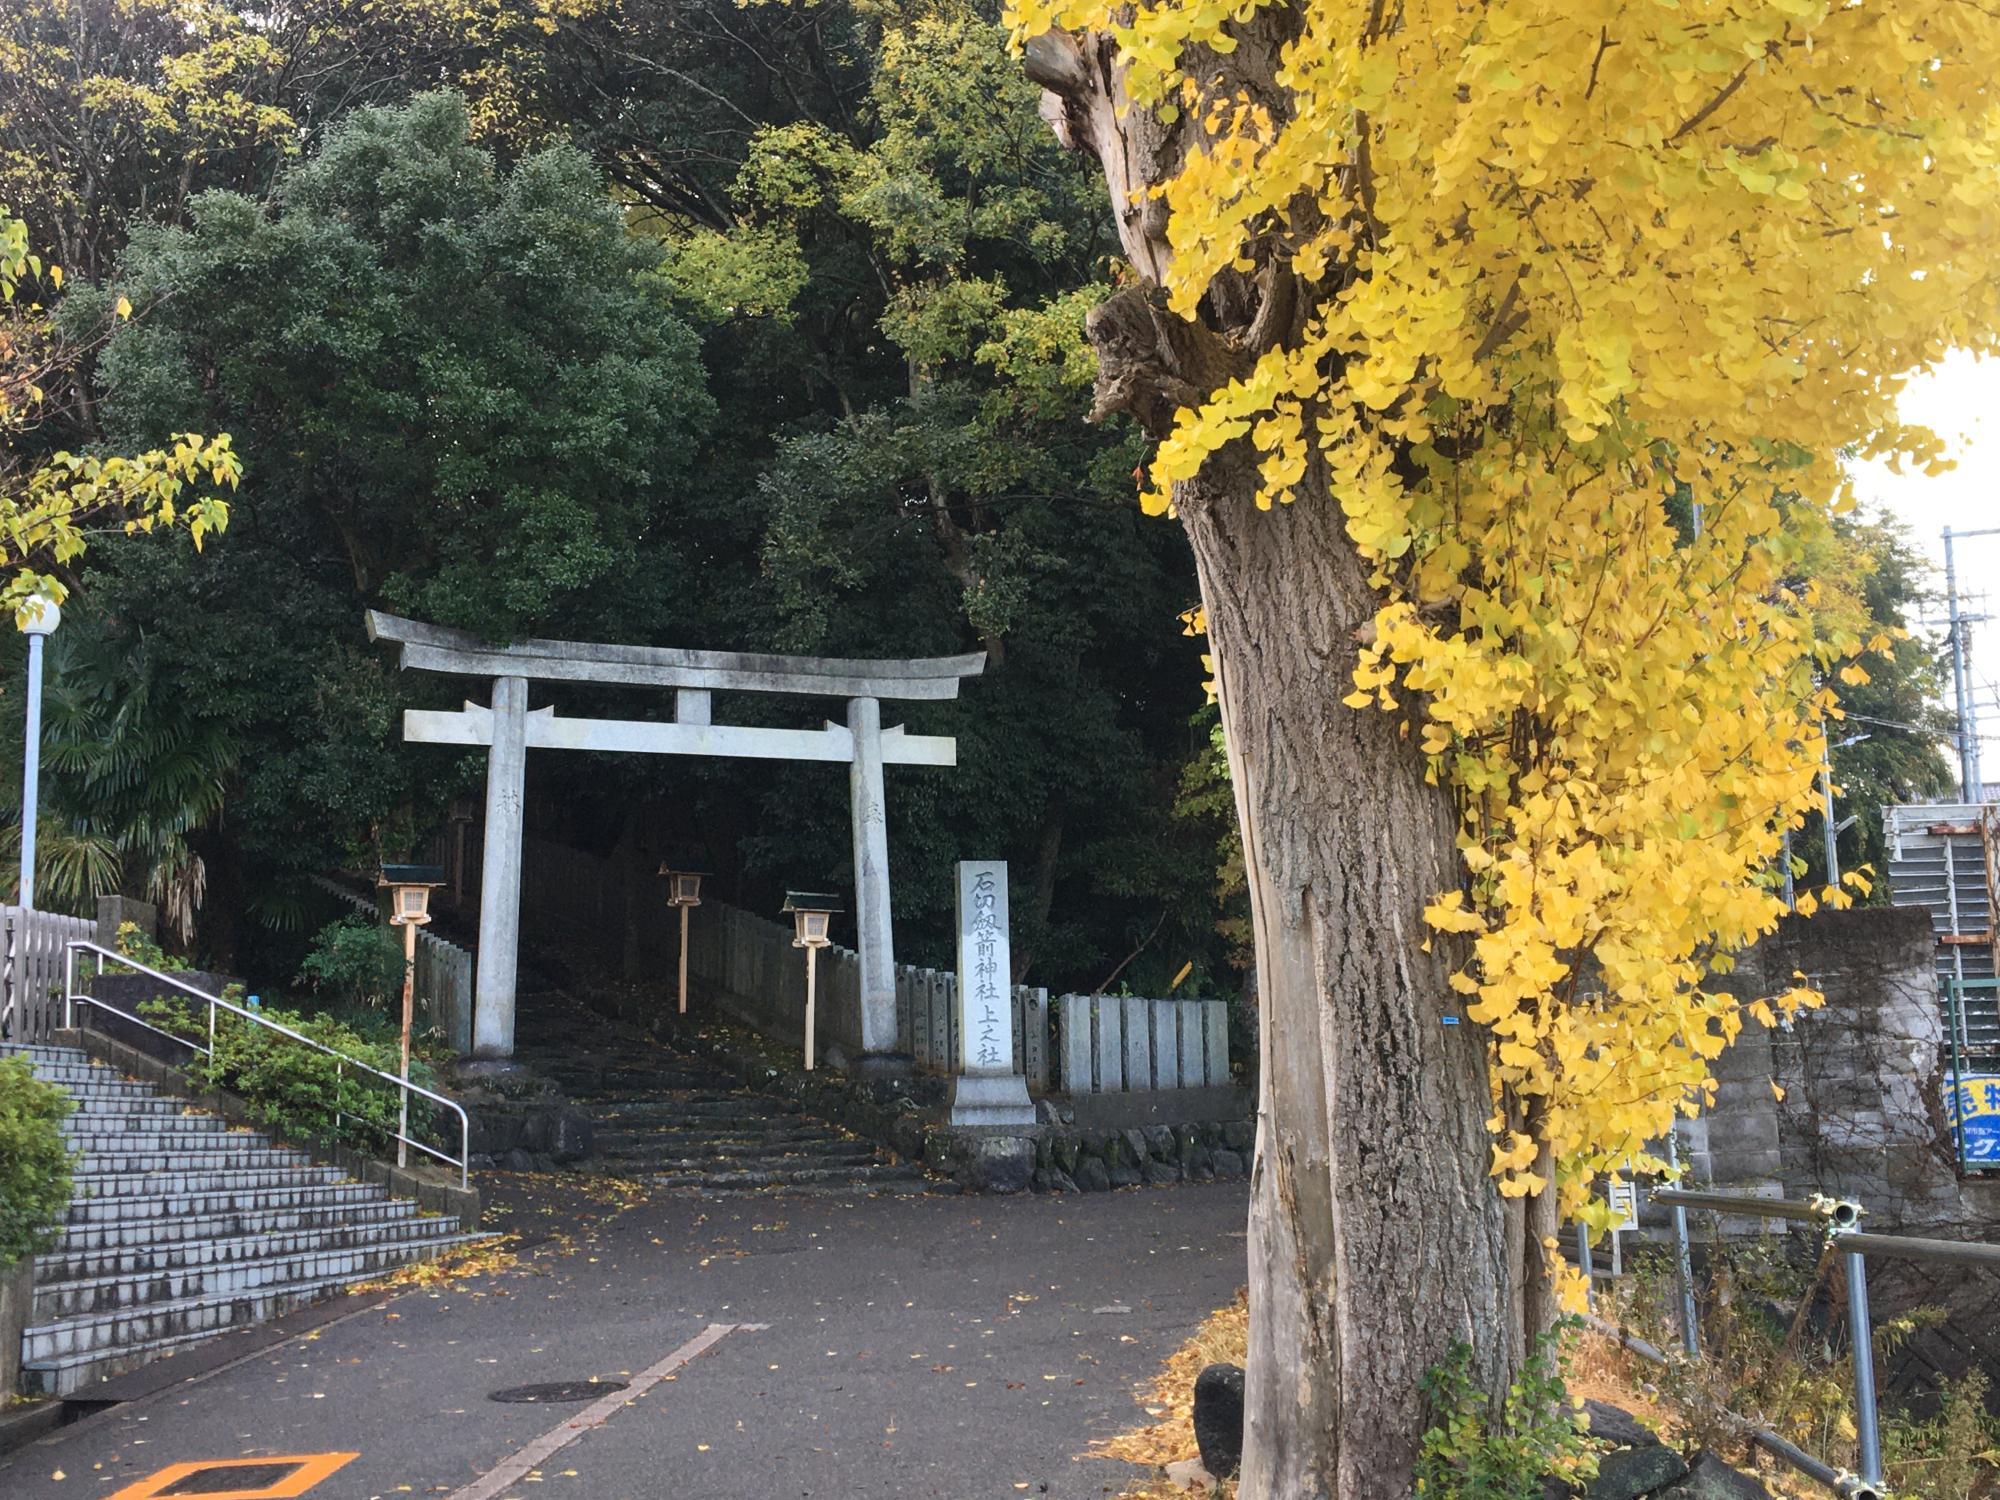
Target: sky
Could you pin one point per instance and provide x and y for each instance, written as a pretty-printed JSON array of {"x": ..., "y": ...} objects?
[{"x": 1960, "y": 400}]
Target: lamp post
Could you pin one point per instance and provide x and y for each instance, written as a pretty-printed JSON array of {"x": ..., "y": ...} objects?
[
  {"x": 810, "y": 911},
  {"x": 38, "y": 620},
  {"x": 409, "y": 888},
  {"x": 684, "y": 891}
]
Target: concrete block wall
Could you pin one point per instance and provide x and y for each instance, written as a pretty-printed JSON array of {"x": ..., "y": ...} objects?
[{"x": 1862, "y": 1077}]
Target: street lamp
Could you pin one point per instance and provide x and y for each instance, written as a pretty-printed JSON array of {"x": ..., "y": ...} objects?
[
  {"x": 810, "y": 911},
  {"x": 409, "y": 888},
  {"x": 38, "y": 619},
  {"x": 684, "y": 891}
]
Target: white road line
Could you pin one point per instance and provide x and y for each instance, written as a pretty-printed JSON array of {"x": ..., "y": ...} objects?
[{"x": 518, "y": 1464}]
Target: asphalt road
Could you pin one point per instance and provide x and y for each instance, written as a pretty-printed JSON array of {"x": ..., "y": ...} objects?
[{"x": 926, "y": 1347}]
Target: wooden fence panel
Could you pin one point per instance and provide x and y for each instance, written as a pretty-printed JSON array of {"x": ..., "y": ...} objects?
[{"x": 32, "y": 949}]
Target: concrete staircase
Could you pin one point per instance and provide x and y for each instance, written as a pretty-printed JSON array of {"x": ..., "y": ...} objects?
[
  {"x": 181, "y": 1228},
  {"x": 674, "y": 1120}
]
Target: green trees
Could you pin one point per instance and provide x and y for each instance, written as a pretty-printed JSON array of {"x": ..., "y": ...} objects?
[
  {"x": 463, "y": 401},
  {"x": 925, "y": 269}
]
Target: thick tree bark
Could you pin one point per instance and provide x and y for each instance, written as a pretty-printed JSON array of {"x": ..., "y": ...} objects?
[{"x": 1377, "y": 1240}]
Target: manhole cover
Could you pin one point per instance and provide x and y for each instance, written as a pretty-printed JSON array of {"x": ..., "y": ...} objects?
[
  {"x": 232, "y": 1479},
  {"x": 558, "y": 1390}
]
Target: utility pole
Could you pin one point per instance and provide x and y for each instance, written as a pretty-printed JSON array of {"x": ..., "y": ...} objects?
[
  {"x": 1833, "y": 830},
  {"x": 1959, "y": 624}
]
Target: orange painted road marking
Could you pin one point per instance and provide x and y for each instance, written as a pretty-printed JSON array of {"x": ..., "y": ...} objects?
[{"x": 309, "y": 1469}]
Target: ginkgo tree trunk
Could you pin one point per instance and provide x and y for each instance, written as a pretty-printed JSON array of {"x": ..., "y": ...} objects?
[{"x": 1501, "y": 358}]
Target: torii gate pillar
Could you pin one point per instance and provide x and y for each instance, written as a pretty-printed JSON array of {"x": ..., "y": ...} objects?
[
  {"x": 874, "y": 938},
  {"x": 500, "y": 872}
]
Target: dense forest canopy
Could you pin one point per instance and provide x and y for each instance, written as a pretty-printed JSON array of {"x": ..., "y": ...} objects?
[
  {"x": 707, "y": 324},
  {"x": 740, "y": 327}
]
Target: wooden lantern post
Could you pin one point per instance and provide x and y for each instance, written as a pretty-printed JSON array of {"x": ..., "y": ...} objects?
[
  {"x": 684, "y": 891},
  {"x": 810, "y": 912},
  {"x": 409, "y": 888}
]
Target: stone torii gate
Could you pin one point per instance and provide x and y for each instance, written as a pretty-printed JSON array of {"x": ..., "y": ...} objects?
[{"x": 509, "y": 729}]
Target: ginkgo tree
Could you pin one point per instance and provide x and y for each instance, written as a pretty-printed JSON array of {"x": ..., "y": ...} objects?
[
  {"x": 51, "y": 504},
  {"x": 1501, "y": 360}
]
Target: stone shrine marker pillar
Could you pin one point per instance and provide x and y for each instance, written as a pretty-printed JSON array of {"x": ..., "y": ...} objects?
[{"x": 987, "y": 1090}]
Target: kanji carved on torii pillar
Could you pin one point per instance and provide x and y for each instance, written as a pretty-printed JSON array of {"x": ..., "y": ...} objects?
[{"x": 509, "y": 729}]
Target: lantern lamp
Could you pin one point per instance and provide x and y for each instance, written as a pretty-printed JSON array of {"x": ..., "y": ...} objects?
[
  {"x": 810, "y": 911},
  {"x": 683, "y": 886},
  {"x": 410, "y": 888}
]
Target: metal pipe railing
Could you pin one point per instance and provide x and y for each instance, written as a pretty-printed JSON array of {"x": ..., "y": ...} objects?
[
  {"x": 1835, "y": 1212},
  {"x": 71, "y": 998},
  {"x": 1840, "y": 1218},
  {"x": 1900, "y": 1247}
]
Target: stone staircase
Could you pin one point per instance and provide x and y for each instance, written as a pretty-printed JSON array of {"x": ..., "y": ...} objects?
[
  {"x": 674, "y": 1120},
  {"x": 181, "y": 1228}
]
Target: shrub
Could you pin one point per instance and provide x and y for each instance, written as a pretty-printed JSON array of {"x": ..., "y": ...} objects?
[
  {"x": 298, "y": 1091},
  {"x": 355, "y": 961},
  {"x": 34, "y": 1161},
  {"x": 1467, "y": 1455},
  {"x": 141, "y": 949}
]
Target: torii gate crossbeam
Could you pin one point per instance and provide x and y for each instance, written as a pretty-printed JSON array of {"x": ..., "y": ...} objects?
[{"x": 509, "y": 730}]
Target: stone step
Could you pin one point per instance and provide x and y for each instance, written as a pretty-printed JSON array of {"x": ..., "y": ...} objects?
[
  {"x": 184, "y": 1182},
  {"x": 119, "y": 1234},
  {"x": 785, "y": 1176},
  {"x": 694, "y": 1141},
  {"x": 43, "y": 1052},
  {"x": 61, "y": 1357},
  {"x": 136, "y": 1108},
  {"x": 106, "y": 1087},
  {"x": 848, "y": 1189},
  {"x": 644, "y": 1108},
  {"x": 837, "y": 1155},
  {"x": 579, "y": 1081},
  {"x": 82, "y": 1075},
  {"x": 155, "y": 1258},
  {"x": 169, "y": 1143},
  {"x": 109, "y": 1124},
  {"x": 222, "y": 1202},
  {"x": 194, "y": 1157},
  {"x": 102, "y": 1294}
]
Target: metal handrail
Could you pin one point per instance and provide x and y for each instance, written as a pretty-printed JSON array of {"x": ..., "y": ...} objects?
[
  {"x": 1837, "y": 1214},
  {"x": 71, "y": 997},
  {"x": 1841, "y": 1219}
]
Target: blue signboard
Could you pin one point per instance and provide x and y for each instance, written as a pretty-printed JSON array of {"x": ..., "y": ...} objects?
[{"x": 1973, "y": 1107}]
